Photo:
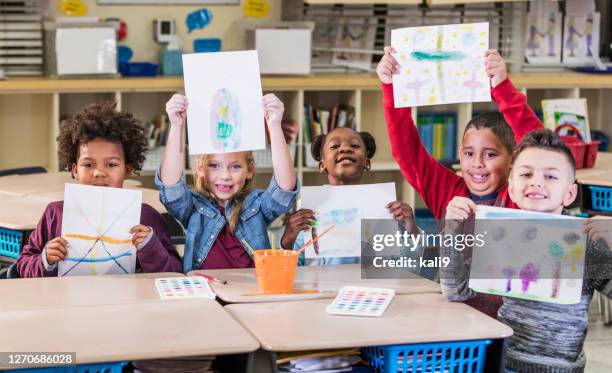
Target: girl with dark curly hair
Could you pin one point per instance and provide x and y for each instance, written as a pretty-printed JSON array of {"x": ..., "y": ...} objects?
[
  {"x": 344, "y": 155},
  {"x": 100, "y": 146}
]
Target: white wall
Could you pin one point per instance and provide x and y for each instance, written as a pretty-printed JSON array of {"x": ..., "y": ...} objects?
[{"x": 139, "y": 19}]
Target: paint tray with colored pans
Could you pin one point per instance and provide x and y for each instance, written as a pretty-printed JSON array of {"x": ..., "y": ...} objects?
[
  {"x": 183, "y": 288},
  {"x": 361, "y": 301}
]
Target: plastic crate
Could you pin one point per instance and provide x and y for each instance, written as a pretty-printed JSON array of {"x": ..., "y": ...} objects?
[
  {"x": 460, "y": 357},
  {"x": 138, "y": 69},
  {"x": 601, "y": 198},
  {"x": 10, "y": 242},
  {"x": 85, "y": 368}
]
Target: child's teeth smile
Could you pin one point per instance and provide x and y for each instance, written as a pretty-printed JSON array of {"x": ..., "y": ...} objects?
[
  {"x": 479, "y": 178},
  {"x": 536, "y": 196},
  {"x": 224, "y": 188}
]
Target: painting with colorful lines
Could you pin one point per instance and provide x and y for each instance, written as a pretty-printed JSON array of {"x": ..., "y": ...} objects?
[
  {"x": 528, "y": 255},
  {"x": 441, "y": 64},
  {"x": 225, "y": 112},
  {"x": 96, "y": 223}
]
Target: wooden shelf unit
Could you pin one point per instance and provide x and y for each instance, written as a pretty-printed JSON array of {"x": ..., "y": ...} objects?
[{"x": 32, "y": 107}]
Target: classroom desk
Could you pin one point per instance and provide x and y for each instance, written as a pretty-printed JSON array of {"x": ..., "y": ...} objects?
[
  {"x": 416, "y": 318},
  {"x": 122, "y": 332},
  {"x": 327, "y": 279},
  {"x": 79, "y": 291},
  {"x": 24, "y": 185},
  {"x": 600, "y": 174}
]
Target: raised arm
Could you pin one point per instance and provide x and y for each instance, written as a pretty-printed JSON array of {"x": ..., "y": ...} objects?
[
  {"x": 510, "y": 101},
  {"x": 434, "y": 182},
  {"x": 174, "y": 156},
  {"x": 284, "y": 172}
]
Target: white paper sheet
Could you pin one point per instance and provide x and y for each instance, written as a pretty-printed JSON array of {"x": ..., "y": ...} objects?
[
  {"x": 96, "y": 223},
  {"x": 355, "y": 34},
  {"x": 225, "y": 111},
  {"x": 543, "y": 38},
  {"x": 581, "y": 38},
  {"x": 344, "y": 206},
  {"x": 523, "y": 258},
  {"x": 441, "y": 64}
]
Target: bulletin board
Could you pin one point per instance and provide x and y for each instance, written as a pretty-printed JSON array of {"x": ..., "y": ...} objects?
[{"x": 167, "y": 2}]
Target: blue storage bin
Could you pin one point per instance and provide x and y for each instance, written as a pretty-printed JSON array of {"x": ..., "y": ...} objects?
[
  {"x": 10, "y": 242},
  {"x": 85, "y": 368},
  {"x": 603, "y": 139},
  {"x": 138, "y": 69},
  {"x": 464, "y": 357},
  {"x": 601, "y": 198}
]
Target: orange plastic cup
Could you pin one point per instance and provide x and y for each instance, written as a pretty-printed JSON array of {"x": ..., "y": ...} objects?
[{"x": 275, "y": 270}]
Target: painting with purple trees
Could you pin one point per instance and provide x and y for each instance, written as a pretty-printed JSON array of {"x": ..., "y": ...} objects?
[
  {"x": 528, "y": 255},
  {"x": 441, "y": 64}
]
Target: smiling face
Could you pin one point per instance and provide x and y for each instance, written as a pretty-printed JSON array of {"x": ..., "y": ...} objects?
[
  {"x": 485, "y": 163},
  {"x": 343, "y": 157},
  {"x": 542, "y": 180},
  {"x": 225, "y": 175},
  {"x": 102, "y": 163}
]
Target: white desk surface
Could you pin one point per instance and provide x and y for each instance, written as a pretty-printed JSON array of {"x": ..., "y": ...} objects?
[
  {"x": 417, "y": 318},
  {"x": 79, "y": 291},
  {"x": 123, "y": 332},
  {"x": 328, "y": 279},
  {"x": 24, "y": 185},
  {"x": 600, "y": 174}
]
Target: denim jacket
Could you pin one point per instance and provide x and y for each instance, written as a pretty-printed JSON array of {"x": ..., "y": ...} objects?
[{"x": 203, "y": 221}]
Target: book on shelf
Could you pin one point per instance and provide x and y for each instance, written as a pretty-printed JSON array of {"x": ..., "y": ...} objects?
[
  {"x": 438, "y": 132},
  {"x": 320, "y": 121}
]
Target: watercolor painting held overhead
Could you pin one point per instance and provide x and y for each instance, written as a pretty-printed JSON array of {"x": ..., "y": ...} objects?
[
  {"x": 225, "y": 111},
  {"x": 441, "y": 64},
  {"x": 96, "y": 223}
]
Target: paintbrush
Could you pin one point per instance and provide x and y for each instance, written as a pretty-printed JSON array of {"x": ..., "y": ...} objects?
[
  {"x": 212, "y": 278},
  {"x": 299, "y": 251}
]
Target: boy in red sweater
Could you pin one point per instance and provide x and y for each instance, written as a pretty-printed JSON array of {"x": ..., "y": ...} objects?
[{"x": 485, "y": 153}]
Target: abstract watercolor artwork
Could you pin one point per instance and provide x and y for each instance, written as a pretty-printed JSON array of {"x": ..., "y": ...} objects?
[
  {"x": 528, "y": 255},
  {"x": 441, "y": 64},
  {"x": 96, "y": 223},
  {"x": 225, "y": 111},
  {"x": 344, "y": 206},
  {"x": 355, "y": 34}
]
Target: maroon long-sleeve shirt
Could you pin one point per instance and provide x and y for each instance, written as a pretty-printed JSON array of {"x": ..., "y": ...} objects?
[{"x": 158, "y": 255}]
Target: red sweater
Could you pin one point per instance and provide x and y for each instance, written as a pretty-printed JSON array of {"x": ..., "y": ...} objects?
[{"x": 434, "y": 182}]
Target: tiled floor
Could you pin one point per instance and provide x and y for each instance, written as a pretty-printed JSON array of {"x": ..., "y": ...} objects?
[{"x": 598, "y": 344}]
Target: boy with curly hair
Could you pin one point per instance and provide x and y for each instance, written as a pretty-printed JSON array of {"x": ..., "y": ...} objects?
[{"x": 99, "y": 146}]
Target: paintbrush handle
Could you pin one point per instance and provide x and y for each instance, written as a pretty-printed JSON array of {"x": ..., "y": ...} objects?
[{"x": 299, "y": 251}]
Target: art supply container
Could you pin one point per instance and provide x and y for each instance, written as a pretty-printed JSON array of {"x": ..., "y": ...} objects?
[{"x": 275, "y": 270}]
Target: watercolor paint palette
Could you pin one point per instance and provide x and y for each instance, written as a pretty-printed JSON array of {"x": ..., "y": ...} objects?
[
  {"x": 183, "y": 287},
  {"x": 360, "y": 301}
]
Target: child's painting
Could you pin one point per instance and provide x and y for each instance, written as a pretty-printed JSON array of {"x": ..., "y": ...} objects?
[
  {"x": 543, "y": 44},
  {"x": 225, "y": 111},
  {"x": 528, "y": 255},
  {"x": 343, "y": 206},
  {"x": 441, "y": 64},
  {"x": 567, "y": 111},
  {"x": 96, "y": 223},
  {"x": 355, "y": 34},
  {"x": 581, "y": 38}
]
